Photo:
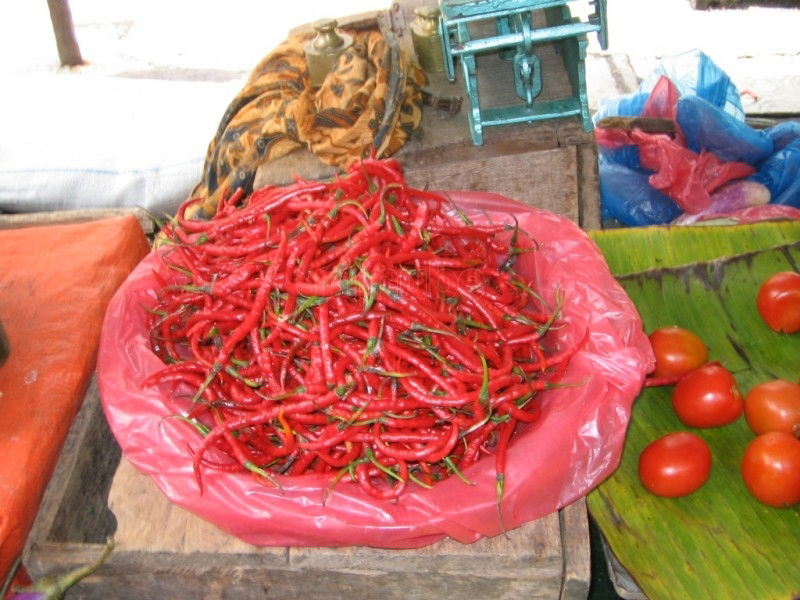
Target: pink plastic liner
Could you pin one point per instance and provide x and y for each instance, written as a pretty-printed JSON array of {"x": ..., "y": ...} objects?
[{"x": 574, "y": 446}]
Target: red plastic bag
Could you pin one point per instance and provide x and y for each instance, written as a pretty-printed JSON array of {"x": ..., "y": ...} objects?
[
  {"x": 687, "y": 177},
  {"x": 575, "y": 444},
  {"x": 662, "y": 101}
]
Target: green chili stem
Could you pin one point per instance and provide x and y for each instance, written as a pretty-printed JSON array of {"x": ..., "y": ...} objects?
[{"x": 452, "y": 467}]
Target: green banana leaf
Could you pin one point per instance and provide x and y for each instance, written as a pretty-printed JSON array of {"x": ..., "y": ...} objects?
[
  {"x": 644, "y": 248},
  {"x": 718, "y": 542}
]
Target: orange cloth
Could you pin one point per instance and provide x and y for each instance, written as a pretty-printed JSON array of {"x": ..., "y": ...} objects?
[{"x": 55, "y": 284}]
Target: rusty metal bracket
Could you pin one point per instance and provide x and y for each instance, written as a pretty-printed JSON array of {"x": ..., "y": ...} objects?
[{"x": 397, "y": 21}]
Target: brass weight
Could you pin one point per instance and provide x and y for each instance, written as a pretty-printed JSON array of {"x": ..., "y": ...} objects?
[
  {"x": 324, "y": 50},
  {"x": 426, "y": 39}
]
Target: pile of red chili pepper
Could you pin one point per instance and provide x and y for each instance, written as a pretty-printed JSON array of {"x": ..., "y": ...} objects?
[{"x": 356, "y": 328}]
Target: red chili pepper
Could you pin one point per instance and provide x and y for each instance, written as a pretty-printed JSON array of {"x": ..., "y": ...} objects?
[
  {"x": 506, "y": 430},
  {"x": 526, "y": 416},
  {"x": 325, "y": 342},
  {"x": 476, "y": 441},
  {"x": 445, "y": 448},
  {"x": 352, "y": 326},
  {"x": 364, "y": 479},
  {"x": 352, "y": 451},
  {"x": 302, "y": 463},
  {"x": 331, "y": 436}
]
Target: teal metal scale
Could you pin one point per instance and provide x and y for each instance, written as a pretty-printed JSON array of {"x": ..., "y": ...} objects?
[{"x": 515, "y": 37}]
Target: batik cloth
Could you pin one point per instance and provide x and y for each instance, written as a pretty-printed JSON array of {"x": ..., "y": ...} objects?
[{"x": 370, "y": 102}]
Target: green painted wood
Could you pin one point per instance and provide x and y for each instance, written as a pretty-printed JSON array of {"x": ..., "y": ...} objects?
[
  {"x": 718, "y": 542},
  {"x": 469, "y": 28}
]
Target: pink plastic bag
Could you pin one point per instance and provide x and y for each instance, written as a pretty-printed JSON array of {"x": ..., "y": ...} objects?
[{"x": 575, "y": 444}]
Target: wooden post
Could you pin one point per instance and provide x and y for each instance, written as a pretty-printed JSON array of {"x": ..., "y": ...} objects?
[{"x": 68, "y": 52}]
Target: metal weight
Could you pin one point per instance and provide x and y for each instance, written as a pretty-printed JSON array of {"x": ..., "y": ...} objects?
[
  {"x": 324, "y": 50},
  {"x": 426, "y": 39}
]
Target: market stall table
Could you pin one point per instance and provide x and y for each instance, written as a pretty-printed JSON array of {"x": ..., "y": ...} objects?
[{"x": 163, "y": 551}]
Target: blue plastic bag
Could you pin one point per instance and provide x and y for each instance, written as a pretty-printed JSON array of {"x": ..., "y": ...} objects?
[
  {"x": 783, "y": 134},
  {"x": 693, "y": 73},
  {"x": 629, "y": 198},
  {"x": 781, "y": 174},
  {"x": 706, "y": 127},
  {"x": 712, "y": 103}
]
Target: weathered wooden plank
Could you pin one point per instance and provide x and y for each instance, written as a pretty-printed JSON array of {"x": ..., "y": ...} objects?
[
  {"x": 165, "y": 552},
  {"x": 576, "y": 554},
  {"x": 127, "y": 577},
  {"x": 85, "y": 481},
  {"x": 528, "y": 552},
  {"x": 168, "y": 527},
  {"x": 79, "y": 475},
  {"x": 561, "y": 179},
  {"x": 546, "y": 179},
  {"x": 588, "y": 187},
  {"x": 171, "y": 529}
]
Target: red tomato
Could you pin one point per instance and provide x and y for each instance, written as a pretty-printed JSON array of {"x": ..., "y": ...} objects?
[
  {"x": 778, "y": 302},
  {"x": 675, "y": 465},
  {"x": 773, "y": 406},
  {"x": 771, "y": 469},
  {"x": 677, "y": 351},
  {"x": 707, "y": 397}
]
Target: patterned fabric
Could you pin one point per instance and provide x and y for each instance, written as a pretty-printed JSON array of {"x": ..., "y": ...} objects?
[{"x": 371, "y": 99}]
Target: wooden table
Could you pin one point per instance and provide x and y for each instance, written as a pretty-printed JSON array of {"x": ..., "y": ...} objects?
[{"x": 164, "y": 552}]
